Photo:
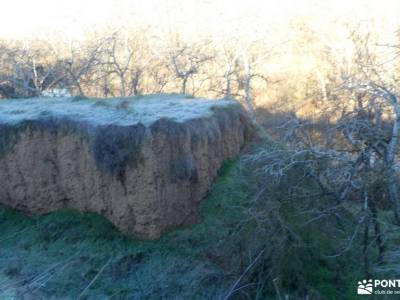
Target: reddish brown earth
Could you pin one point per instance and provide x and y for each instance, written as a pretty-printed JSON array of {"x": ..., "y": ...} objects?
[{"x": 145, "y": 172}]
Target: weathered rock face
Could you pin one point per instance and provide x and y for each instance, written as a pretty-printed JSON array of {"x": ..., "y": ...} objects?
[{"x": 145, "y": 164}]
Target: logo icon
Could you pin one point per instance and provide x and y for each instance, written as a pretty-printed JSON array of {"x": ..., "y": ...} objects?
[{"x": 365, "y": 287}]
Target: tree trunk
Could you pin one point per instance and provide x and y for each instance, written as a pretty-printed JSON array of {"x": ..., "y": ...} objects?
[
  {"x": 106, "y": 89},
  {"x": 80, "y": 90},
  {"x": 248, "y": 98},
  {"x": 184, "y": 82},
  {"x": 228, "y": 82},
  {"x": 322, "y": 85},
  {"x": 135, "y": 83},
  {"x": 366, "y": 234},
  {"x": 390, "y": 161},
  {"x": 122, "y": 85},
  {"x": 377, "y": 229}
]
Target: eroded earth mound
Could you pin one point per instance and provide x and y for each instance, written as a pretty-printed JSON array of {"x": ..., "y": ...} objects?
[{"x": 143, "y": 163}]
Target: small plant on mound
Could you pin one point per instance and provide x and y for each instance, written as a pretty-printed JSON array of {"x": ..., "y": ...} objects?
[{"x": 79, "y": 97}]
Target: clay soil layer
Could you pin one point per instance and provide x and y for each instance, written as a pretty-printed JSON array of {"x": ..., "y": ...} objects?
[{"x": 145, "y": 164}]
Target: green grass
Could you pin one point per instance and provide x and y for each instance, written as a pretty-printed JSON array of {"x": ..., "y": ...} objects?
[
  {"x": 66, "y": 254},
  {"x": 58, "y": 255}
]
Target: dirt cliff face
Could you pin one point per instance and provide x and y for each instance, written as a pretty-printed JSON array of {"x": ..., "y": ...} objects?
[{"x": 145, "y": 174}]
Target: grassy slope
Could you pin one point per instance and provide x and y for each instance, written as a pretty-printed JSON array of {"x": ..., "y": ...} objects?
[
  {"x": 58, "y": 255},
  {"x": 66, "y": 254}
]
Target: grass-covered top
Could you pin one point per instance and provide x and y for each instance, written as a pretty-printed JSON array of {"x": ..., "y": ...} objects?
[{"x": 118, "y": 111}]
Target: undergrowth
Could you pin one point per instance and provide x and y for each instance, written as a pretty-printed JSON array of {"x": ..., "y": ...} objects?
[
  {"x": 246, "y": 247},
  {"x": 58, "y": 255}
]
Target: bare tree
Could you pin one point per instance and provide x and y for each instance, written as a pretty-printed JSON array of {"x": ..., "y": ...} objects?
[
  {"x": 227, "y": 64},
  {"x": 81, "y": 62},
  {"x": 347, "y": 155},
  {"x": 377, "y": 83},
  {"x": 187, "y": 59},
  {"x": 251, "y": 59},
  {"x": 231, "y": 65},
  {"x": 120, "y": 55}
]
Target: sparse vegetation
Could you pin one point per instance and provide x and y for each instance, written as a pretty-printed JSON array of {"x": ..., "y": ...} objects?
[
  {"x": 304, "y": 217},
  {"x": 59, "y": 254},
  {"x": 249, "y": 244}
]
